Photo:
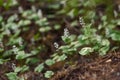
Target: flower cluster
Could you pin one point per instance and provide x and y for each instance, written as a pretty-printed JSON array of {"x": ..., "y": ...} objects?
[
  {"x": 81, "y": 21},
  {"x": 56, "y": 45},
  {"x": 66, "y": 32}
]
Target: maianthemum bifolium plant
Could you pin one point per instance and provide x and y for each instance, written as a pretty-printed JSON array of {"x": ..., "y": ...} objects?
[
  {"x": 89, "y": 42},
  {"x": 92, "y": 40}
]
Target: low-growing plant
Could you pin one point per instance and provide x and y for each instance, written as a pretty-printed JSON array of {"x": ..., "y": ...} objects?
[
  {"x": 28, "y": 48},
  {"x": 88, "y": 42},
  {"x": 7, "y": 4}
]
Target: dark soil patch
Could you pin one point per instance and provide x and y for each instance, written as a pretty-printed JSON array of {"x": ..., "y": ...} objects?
[
  {"x": 86, "y": 68},
  {"x": 102, "y": 68}
]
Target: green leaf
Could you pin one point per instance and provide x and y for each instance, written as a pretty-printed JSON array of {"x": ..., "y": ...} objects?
[
  {"x": 1, "y": 49},
  {"x": 105, "y": 42},
  {"x": 24, "y": 68},
  {"x": 118, "y": 22},
  {"x": 21, "y": 69},
  {"x": 85, "y": 51},
  {"x": 68, "y": 39},
  {"x": 42, "y": 22},
  {"x": 104, "y": 18},
  {"x": 17, "y": 69},
  {"x": 49, "y": 62},
  {"x": 57, "y": 27},
  {"x": 115, "y": 36},
  {"x": 64, "y": 47},
  {"x": 12, "y": 18},
  {"x": 1, "y": 18},
  {"x": 32, "y": 60},
  {"x": 45, "y": 29},
  {"x": 103, "y": 50},
  {"x": 21, "y": 55},
  {"x": 14, "y": 41},
  {"x": 62, "y": 58},
  {"x": 12, "y": 76},
  {"x": 24, "y": 22},
  {"x": 49, "y": 74},
  {"x": 39, "y": 68},
  {"x": 1, "y": 61}
]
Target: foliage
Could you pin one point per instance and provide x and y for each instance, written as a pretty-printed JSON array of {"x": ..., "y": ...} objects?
[
  {"x": 12, "y": 76},
  {"x": 39, "y": 68},
  {"x": 48, "y": 74},
  {"x": 26, "y": 35}
]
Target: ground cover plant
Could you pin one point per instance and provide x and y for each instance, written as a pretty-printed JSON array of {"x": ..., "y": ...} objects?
[{"x": 59, "y": 40}]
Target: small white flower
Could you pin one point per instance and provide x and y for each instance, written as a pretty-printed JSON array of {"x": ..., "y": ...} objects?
[
  {"x": 115, "y": 13},
  {"x": 33, "y": 41},
  {"x": 33, "y": 8},
  {"x": 81, "y": 21},
  {"x": 1, "y": 44},
  {"x": 7, "y": 32},
  {"x": 40, "y": 13},
  {"x": 20, "y": 43},
  {"x": 15, "y": 49},
  {"x": 20, "y": 9},
  {"x": 13, "y": 66},
  {"x": 66, "y": 32},
  {"x": 14, "y": 46},
  {"x": 56, "y": 45},
  {"x": 119, "y": 7}
]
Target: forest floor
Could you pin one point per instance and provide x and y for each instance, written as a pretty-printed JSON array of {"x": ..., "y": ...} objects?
[
  {"x": 91, "y": 67},
  {"x": 102, "y": 68}
]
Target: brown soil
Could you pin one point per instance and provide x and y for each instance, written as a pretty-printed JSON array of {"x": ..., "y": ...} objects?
[
  {"x": 86, "y": 68},
  {"x": 102, "y": 68}
]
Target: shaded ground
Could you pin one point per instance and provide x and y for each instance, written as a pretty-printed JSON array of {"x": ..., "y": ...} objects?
[
  {"x": 86, "y": 68},
  {"x": 103, "y": 68}
]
